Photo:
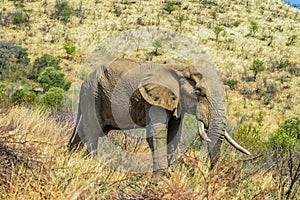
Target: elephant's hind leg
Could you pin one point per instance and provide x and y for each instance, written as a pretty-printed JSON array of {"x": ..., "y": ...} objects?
[
  {"x": 75, "y": 141},
  {"x": 90, "y": 126}
]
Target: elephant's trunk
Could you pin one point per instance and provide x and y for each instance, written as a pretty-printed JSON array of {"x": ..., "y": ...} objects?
[{"x": 216, "y": 134}]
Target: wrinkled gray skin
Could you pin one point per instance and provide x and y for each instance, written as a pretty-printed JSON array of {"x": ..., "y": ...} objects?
[{"x": 126, "y": 94}]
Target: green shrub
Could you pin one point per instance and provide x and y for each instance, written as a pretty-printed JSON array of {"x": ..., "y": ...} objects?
[
  {"x": 31, "y": 98},
  {"x": 44, "y": 61},
  {"x": 70, "y": 48},
  {"x": 250, "y": 137},
  {"x": 14, "y": 61},
  {"x": 17, "y": 96},
  {"x": 54, "y": 98},
  {"x": 257, "y": 67},
  {"x": 282, "y": 141},
  {"x": 253, "y": 28},
  {"x": 51, "y": 77},
  {"x": 171, "y": 6},
  {"x": 292, "y": 127},
  {"x": 284, "y": 154},
  {"x": 21, "y": 55},
  {"x": 231, "y": 83},
  {"x": 20, "y": 19},
  {"x": 217, "y": 30},
  {"x": 21, "y": 96},
  {"x": 157, "y": 44},
  {"x": 63, "y": 11}
]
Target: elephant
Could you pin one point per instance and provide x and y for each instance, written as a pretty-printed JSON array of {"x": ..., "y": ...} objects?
[{"x": 125, "y": 94}]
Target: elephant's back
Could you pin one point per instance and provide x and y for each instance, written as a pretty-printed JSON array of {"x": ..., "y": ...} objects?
[{"x": 118, "y": 68}]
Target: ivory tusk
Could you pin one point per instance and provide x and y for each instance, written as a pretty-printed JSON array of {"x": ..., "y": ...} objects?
[
  {"x": 235, "y": 144},
  {"x": 202, "y": 132}
]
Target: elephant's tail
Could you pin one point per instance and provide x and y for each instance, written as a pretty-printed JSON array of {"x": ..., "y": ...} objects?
[{"x": 75, "y": 140}]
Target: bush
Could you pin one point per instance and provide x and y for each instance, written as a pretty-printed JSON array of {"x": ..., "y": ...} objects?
[
  {"x": 284, "y": 148},
  {"x": 14, "y": 61},
  {"x": 231, "y": 83},
  {"x": 54, "y": 98},
  {"x": 20, "y": 19},
  {"x": 250, "y": 137},
  {"x": 292, "y": 127},
  {"x": 44, "y": 61},
  {"x": 171, "y": 6},
  {"x": 17, "y": 96},
  {"x": 51, "y": 77},
  {"x": 63, "y": 11},
  {"x": 257, "y": 67},
  {"x": 253, "y": 28},
  {"x": 157, "y": 44},
  {"x": 217, "y": 30},
  {"x": 70, "y": 48},
  {"x": 22, "y": 96}
]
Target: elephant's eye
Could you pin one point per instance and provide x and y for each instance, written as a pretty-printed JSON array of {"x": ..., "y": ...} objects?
[
  {"x": 197, "y": 92},
  {"x": 200, "y": 92}
]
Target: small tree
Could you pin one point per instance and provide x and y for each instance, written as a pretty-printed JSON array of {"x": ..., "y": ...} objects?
[
  {"x": 19, "y": 19},
  {"x": 42, "y": 62},
  {"x": 14, "y": 61},
  {"x": 157, "y": 44},
  {"x": 54, "y": 98},
  {"x": 63, "y": 11},
  {"x": 70, "y": 48},
  {"x": 17, "y": 96},
  {"x": 51, "y": 77},
  {"x": 217, "y": 30},
  {"x": 257, "y": 67},
  {"x": 231, "y": 83},
  {"x": 21, "y": 96},
  {"x": 284, "y": 146},
  {"x": 171, "y": 6},
  {"x": 253, "y": 28}
]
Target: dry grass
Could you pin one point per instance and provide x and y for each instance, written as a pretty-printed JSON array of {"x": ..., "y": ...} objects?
[{"x": 35, "y": 164}]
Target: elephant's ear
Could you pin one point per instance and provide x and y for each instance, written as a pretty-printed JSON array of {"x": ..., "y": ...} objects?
[{"x": 161, "y": 88}]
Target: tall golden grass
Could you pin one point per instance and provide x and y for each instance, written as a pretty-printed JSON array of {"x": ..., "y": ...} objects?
[{"x": 35, "y": 164}]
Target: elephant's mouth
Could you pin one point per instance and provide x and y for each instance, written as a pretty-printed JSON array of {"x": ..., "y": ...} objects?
[
  {"x": 204, "y": 122},
  {"x": 202, "y": 128}
]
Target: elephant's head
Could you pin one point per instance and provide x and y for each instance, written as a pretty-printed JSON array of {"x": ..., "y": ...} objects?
[{"x": 197, "y": 91}]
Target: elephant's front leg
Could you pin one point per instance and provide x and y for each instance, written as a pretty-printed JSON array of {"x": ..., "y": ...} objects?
[
  {"x": 157, "y": 136},
  {"x": 174, "y": 135}
]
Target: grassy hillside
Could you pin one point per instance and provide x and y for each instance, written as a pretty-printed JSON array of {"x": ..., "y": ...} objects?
[
  {"x": 233, "y": 35},
  {"x": 92, "y": 22}
]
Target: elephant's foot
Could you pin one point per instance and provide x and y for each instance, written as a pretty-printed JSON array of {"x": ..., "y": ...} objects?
[{"x": 158, "y": 177}]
